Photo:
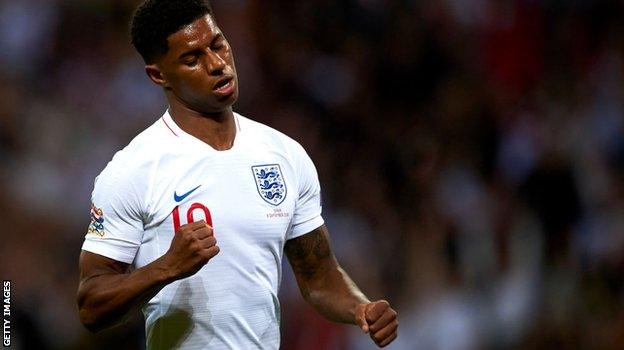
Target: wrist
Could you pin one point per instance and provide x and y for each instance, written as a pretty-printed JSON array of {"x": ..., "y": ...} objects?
[
  {"x": 163, "y": 270},
  {"x": 358, "y": 308}
]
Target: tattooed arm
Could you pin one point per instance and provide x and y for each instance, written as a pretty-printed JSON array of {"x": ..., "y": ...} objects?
[{"x": 328, "y": 288}]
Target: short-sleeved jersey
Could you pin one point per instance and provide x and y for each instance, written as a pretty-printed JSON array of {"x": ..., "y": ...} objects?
[{"x": 256, "y": 195}]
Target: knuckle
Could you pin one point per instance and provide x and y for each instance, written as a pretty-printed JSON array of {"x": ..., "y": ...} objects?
[
  {"x": 211, "y": 252},
  {"x": 209, "y": 242},
  {"x": 206, "y": 255},
  {"x": 204, "y": 232},
  {"x": 194, "y": 246},
  {"x": 187, "y": 227}
]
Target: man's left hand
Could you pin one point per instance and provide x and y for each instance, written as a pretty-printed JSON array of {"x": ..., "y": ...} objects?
[{"x": 379, "y": 320}]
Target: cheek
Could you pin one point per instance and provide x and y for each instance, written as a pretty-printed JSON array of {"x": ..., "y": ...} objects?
[
  {"x": 193, "y": 91},
  {"x": 193, "y": 81},
  {"x": 229, "y": 58}
]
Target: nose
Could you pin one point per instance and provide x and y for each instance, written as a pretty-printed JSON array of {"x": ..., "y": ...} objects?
[{"x": 215, "y": 64}]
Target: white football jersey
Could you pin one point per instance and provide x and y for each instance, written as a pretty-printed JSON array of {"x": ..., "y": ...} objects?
[{"x": 256, "y": 195}]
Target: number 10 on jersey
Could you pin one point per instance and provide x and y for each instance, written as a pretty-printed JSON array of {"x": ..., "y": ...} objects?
[{"x": 189, "y": 215}]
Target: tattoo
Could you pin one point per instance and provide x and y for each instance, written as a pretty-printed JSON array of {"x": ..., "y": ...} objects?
[
  {"x": 323, "y": 284},
  {"x": 310, "y": 253}
]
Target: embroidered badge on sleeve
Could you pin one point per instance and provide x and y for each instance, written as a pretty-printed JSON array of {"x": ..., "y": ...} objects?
[{"x": 96, "y": 226}]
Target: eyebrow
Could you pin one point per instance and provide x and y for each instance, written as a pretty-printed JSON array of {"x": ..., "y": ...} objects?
[
  {"x": 192, "y": 52},
  {"x": 197, "y": 51}
]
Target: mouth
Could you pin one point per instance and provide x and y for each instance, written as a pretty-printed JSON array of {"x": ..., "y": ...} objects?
[{"x": 224, "y": 86}]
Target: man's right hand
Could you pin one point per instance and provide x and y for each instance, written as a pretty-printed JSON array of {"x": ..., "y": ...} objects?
[{"x": 193, "y": 245}]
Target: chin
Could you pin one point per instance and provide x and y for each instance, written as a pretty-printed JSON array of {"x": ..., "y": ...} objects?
[
  {"x": 229, "y": 101},
  {"x": 214, "y": 106},
  {"x": 212, "y": 109}
]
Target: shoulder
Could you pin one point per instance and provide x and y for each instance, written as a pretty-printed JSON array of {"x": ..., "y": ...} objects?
[
  {"x": 271, "y": 137},
  {"x": 134, "y": 163}
]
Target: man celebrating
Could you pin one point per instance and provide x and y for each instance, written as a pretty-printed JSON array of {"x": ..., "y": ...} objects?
[{"x": 204, "y": 174}]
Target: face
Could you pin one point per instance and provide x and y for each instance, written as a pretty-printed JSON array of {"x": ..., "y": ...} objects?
[{"x": 198, "y": 70}]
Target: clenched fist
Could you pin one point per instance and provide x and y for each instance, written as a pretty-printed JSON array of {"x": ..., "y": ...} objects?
[
  {"x": 193, "y": 245},
  {"x": 379, "y": 320}
]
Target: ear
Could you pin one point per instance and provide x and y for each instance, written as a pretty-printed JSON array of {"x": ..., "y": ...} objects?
[{"x": 155, "y": 75}]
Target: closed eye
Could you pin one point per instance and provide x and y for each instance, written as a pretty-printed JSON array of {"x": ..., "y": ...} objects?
[
  {"x": 218, "y": 42},
  {"x": 191, "y": 63},
  {"x": 190, "y": 59}
]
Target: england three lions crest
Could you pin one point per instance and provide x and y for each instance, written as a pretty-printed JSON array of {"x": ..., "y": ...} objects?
[{"x": 270, "y": 183}]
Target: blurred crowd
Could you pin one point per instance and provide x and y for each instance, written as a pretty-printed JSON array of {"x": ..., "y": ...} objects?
[{"x": 471, "y": 155}]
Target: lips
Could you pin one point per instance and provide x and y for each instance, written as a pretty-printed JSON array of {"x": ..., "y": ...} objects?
[{"x": 224, "y": 86}]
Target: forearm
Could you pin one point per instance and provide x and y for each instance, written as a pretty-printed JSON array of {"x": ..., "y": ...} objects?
[
  {"x": 334, "y": 295},
  {"x": 109, "y": 298},
  {"x": 323, "y": 283},
  {"x": 328, "y": 288},
  {"x": 108, "y": 292}
]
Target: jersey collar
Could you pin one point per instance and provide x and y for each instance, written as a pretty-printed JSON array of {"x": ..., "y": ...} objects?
[{"x": 174, "y": 129}]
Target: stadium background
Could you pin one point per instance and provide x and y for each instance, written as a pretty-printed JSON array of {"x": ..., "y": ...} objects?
[{"x": 470, "y": 152}]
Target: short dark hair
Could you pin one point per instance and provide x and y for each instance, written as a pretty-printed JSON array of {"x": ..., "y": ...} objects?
[{"x": 155, "y": 20}]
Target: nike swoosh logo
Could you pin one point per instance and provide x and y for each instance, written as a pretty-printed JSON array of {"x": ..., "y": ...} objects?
[{"x": 181, "y": 198}]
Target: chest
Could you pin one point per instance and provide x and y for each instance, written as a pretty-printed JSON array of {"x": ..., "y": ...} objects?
[{"x": 248, "y": 198}]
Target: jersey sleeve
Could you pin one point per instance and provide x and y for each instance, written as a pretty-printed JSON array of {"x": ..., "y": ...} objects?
[
  {"x": 307, "y": 214},
  {"x": 116, "y": 227}
]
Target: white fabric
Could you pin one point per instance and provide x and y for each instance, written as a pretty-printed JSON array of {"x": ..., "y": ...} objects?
[{"x": 232, "y": 302}]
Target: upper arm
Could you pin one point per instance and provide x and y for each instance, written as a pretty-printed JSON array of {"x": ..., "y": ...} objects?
[
  {"x": 93, "y": 265},
  {"x": 310, "y": 255},
  {"x": 116, "y": 227},
  {"x": 307, "y": 213}
]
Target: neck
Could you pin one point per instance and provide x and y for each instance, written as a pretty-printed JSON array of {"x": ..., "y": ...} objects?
[{"x": 216, "y": 129}]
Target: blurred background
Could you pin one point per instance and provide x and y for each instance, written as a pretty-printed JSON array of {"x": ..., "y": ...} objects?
[{"x": 471, "y": 155}]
